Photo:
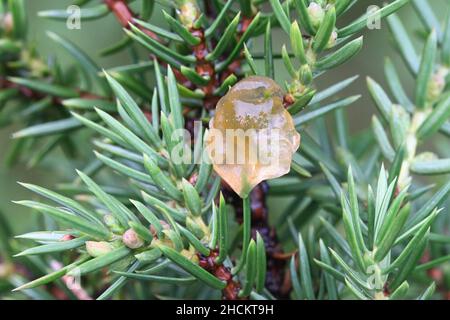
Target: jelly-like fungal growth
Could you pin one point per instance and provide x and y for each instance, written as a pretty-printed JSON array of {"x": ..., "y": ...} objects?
[{"x": 252, "y": 137}]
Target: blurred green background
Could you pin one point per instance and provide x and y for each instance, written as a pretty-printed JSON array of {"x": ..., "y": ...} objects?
[{"x": 99, "y": 34}]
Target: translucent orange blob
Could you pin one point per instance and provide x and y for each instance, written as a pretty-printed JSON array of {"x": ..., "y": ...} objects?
[{"x": 252, "y": 137}]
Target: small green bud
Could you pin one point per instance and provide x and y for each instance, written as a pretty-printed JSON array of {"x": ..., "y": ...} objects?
[
  {"x": 332, "y": 41},
  {"x": 131, "y": 239},
  {"x": 295, "y": 87},
  {"x": 437, "y": 84},
  {"x": 305, "y": 74},
  {"x": 189, "y": 12},
  {"x": 97, "y": 249},
  {"x": 112, "y": 223},
  {"x": 400, "y": 121},
  {"x": 316, "y": 14}
]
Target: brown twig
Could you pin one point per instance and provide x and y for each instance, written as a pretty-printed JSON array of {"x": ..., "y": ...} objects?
[
  {"x": 125, "y": 15},
  {"x": 276, "y": 276},
  {"x": 231, "y": 291}
]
